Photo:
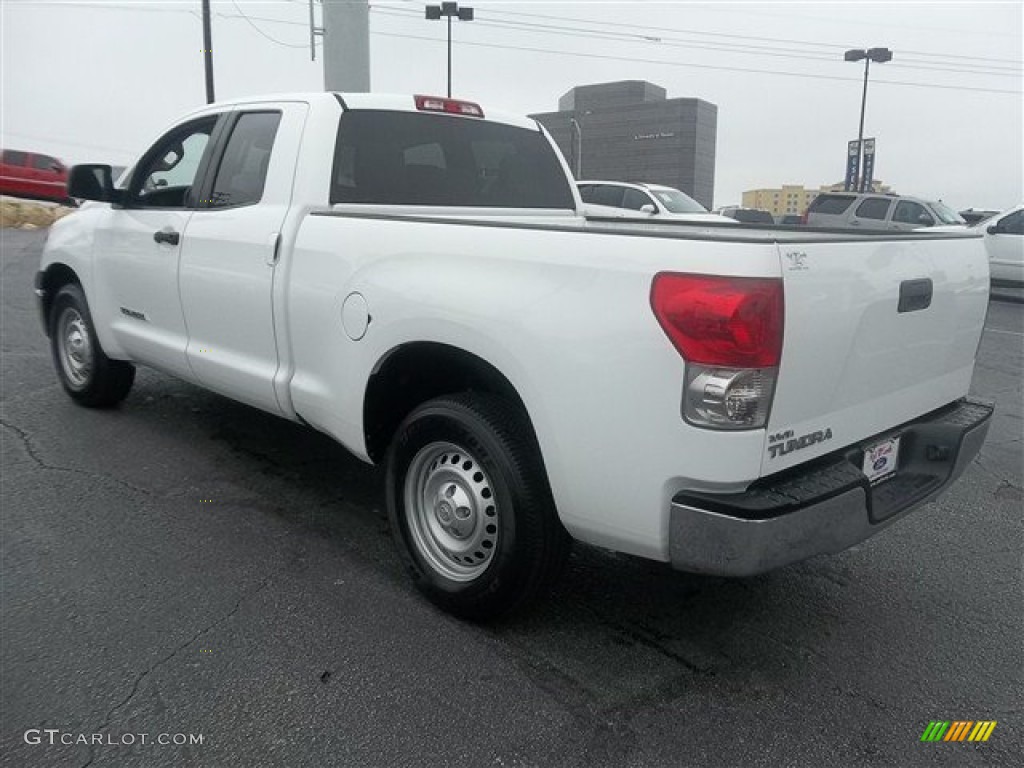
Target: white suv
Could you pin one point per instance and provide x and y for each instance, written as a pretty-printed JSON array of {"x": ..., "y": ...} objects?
[
  {"x": 849, "y": 210},
  {"x": 624, "y": 199}
]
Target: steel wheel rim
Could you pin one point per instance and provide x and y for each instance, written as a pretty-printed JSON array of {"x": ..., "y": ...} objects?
[
  {"x": 451, "y": 511},
  {"x": 74, "y": 348}
]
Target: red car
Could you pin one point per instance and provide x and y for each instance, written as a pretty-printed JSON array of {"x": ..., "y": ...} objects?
[{"x": 30, "y": 174}]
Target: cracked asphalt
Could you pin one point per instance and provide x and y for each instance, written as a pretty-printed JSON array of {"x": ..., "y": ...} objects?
[{"x": 187, "y": 565}]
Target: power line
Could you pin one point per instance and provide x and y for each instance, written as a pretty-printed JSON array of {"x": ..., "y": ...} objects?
[
  {"x": 749, "y": 70},
  {"x": 98, "y": 5},
  {"x": 269, "y": 37},
  {"x": 670, "y": 42},
  {"x": 620, "y": 25},
  {"x": 742, "y": 37}
]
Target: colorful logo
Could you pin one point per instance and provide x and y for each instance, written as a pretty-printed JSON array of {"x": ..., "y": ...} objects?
[{"x": 958, "y": 730}]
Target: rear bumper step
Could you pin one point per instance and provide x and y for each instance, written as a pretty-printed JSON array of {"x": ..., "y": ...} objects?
[{"x": 827, "y": 506}]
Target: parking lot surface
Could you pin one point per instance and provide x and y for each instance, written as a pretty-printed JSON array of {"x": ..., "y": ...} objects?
[{"x": 187, "y": 566}]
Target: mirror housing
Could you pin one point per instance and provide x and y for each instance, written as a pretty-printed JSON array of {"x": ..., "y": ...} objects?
[
  {"x": 992, "y": 229},
  {"x": 925, "y": 220},
  {"x": 648, "y": 208},
  {"x": 93, "y": 182}
]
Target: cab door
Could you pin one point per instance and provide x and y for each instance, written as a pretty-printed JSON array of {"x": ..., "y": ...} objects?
[
  {"x": 910, "y": 215},
  {"x": 229, "y": 255},
  {"x": 871, "y": 213},
  {"x": 138, "y": 244}
]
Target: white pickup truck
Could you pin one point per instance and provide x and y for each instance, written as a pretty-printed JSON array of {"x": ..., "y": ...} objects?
[{"x": 413, "y": 276}]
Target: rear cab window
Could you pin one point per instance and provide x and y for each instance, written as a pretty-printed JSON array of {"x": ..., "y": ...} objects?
[
  {"x": 831, "y": 204},
  {"x": 404, "y": 158},
  {"x": 14, "y": 157}
]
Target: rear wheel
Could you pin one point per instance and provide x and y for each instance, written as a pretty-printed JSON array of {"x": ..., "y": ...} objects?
[
  {"x": 87, "y": 374},
  {"x": 470, "y": 506}
]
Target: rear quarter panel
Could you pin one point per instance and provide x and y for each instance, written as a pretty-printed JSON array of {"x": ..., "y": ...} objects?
[{"x": 564, "y": 315}]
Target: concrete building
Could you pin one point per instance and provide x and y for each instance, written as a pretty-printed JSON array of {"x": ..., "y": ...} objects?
[{"x": 630, "y": 131}]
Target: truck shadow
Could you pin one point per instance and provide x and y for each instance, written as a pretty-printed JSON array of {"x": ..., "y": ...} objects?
[{"x": 616, "y": 632}]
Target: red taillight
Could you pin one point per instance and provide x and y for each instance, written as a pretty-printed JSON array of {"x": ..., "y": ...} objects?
[
  {"x": 451, "y": 106},
  {"x": 733, "y": 322}
]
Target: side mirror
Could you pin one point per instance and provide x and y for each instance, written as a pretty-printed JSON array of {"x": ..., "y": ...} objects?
[
  {"x": 648, "y": 208},
  {"x": 93, "y": 182},
  {"x": 925, "y": 220},
  {"x": 992, "y": 229}
]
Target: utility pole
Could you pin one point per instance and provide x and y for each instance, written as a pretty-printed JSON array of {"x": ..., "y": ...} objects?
[
  {"x": 346, "y": 34},
  {"x": 208, "y": 51}
]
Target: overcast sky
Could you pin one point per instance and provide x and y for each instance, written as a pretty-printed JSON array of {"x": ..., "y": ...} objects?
[{"x": 92, "y": 80}]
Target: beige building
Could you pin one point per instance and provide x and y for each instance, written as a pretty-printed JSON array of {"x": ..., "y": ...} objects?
[{"x": 793, "y": 198}]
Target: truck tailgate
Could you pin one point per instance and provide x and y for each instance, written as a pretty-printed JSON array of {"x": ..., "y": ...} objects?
[{"x": 877, "y": 332}]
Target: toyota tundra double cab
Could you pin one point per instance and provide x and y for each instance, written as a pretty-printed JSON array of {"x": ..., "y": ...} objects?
[{"x": 413, "y": 276}]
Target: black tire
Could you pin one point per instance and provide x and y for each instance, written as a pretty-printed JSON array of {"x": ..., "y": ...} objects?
[
  {"x": 90, "y": 377},
  {"x": 528, "y": 543}
]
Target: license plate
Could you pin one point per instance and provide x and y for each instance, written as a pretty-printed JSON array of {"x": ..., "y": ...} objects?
[{"x": 880, "y": 459}]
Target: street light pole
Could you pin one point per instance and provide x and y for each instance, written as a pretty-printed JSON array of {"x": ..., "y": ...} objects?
[
  {"x": 879, "y": 55},
  {"x": 449, "y": 10},
  {"x": 208, "y": 51},
  {"x": 860, "y": 130}
]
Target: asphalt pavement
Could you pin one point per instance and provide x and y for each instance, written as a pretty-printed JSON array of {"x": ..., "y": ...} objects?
[{"x": 187, "y": 569}]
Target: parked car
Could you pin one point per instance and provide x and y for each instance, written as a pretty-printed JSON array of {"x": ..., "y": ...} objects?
[
  {"x": 844, "y": 210},
  {"x": 33, "y": 175},
  {"x": 526, "y": 375},
  {"x": 637, "y": 200},
  {"x": 791, "y": 220},
  {"x": 1004, "y": 241},
  {"x": 746, "y": 215}
]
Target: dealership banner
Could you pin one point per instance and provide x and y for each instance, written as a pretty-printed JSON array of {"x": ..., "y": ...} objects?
[
  {"x": 852, "y": 165},
  {"x": 869, "y": 164}
]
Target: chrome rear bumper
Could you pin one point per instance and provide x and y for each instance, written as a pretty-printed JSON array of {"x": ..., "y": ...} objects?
[{"x": 827, "y": 506}]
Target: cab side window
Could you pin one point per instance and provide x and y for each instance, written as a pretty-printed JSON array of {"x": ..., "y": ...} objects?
[
  {"x": 45, "y": 163},
  {"x": 169, "y": 171},
  {"x": 605, "y": 194},
  {"x": 242, "y": 173},
  {"x": 909, "y": 213},
  {"x": 873, "y": 208},
  {"x": 1012, "y": 224},
  {"x": 635, "y": 200}
]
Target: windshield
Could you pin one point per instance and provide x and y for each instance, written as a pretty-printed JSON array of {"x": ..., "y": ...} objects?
[
  {"x": 946, "y": 214},
  {"x": 676, "y": 202}
]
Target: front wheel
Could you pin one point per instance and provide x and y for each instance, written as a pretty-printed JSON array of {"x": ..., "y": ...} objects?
[
  {"x": 87, "y": 374},
  {"x": 470, "y": 506}
]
